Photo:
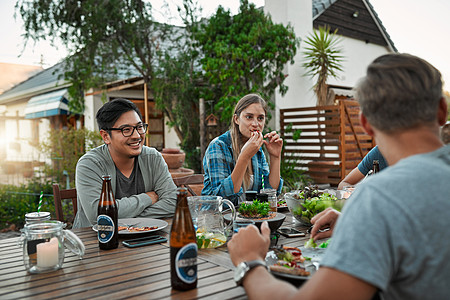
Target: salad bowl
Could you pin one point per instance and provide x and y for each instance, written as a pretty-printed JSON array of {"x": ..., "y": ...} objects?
[{"x": 305, "y": 204}]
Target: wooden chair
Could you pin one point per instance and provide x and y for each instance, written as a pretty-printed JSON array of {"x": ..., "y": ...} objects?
[
  {"x": 59, "y": 195},
  {"x": 186, "y": 181}
]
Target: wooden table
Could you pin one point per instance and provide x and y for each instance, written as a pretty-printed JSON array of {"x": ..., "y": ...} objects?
[{"x": 142, "y": 272}]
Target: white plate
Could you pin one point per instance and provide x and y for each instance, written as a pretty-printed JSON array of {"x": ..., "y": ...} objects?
[
  {"x": 310, "y": 265},
  {"x": 283, "y": 207},
  {"x": 281, "y": 198},
  {"x": 139, "y": 222}
]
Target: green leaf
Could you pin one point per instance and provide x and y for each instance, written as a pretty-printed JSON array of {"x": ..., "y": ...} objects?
[
  {"x": 322, "y": 59},
  {"x": 310, "y": 243}
]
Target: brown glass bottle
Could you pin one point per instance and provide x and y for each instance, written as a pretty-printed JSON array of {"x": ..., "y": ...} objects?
[
  {"x": 183, "y": 246},
  {"x": 376, "y": 167},
  {"x": 107, "y": 217}
]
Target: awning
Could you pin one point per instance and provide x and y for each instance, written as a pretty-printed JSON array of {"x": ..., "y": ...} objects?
[{"x": 46, "y": 105}]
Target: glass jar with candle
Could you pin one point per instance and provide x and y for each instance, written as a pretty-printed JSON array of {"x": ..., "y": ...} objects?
[{"x": 43, "y": 246}]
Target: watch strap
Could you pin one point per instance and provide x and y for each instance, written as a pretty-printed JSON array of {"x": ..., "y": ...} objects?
[{"x": 250, "y": 265}]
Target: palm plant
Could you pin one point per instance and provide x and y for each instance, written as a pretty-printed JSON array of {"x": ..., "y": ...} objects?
[{"x": 323, "y": 59}]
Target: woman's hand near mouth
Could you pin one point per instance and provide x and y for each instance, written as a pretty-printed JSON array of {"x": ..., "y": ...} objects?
[
  {"x": 252, "y": 146},
  {"x": 274, "y": 144}
]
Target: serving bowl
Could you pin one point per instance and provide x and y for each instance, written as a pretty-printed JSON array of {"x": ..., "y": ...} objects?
[{"x": 304, "y": 209}]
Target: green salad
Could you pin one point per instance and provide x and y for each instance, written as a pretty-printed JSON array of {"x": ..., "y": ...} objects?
[
  {"x": 256, "y": 209},
  {"x": 315, "y": 202}
]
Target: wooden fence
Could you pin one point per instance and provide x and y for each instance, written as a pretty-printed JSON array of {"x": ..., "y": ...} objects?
[{"x": 332, "y": 141}]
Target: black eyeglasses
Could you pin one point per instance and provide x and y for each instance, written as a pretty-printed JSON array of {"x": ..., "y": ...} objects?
[{"x": 129, "y": 130}]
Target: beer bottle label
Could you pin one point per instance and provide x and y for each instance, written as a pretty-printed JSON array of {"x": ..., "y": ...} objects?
[
  {"x": 105, "y": 227},
  {"x": 186, "y": 263}
]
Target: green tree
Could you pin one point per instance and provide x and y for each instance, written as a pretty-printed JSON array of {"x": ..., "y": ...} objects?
[
  {"x": 323, "y": 59},
  {"x": 242, "y": 54},
  {"x": 65, "y": 147},
  {"x": 118, "y": 38},
  {"x": 202, "y": 65},
  {"x": 177, "y": 63},
  {"x": 178, "y": 82},
  {"x": 105, "y": 39}
]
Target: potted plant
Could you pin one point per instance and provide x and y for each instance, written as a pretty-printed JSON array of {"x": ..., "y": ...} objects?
[{"x": 323, "y": 59}]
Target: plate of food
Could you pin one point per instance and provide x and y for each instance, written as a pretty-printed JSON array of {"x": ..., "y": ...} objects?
[
  {"x": 138, "y": 225},
  {"x": 281, "y": 204},
  {"x": 258, "y": 212},
  {"x": 293, "y": 264}
]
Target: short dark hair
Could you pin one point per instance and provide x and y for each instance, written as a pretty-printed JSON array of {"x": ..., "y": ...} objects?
[
  {"x": 400, "y": 91},
  {"x": 111, "y": 111}
]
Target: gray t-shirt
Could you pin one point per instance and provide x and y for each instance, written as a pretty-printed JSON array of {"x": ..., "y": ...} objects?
[
  {"x": 394, "y": 231},
  {"x": 128, "y": 186}
]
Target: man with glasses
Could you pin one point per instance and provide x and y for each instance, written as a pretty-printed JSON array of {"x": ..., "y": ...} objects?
[{"x": 141, "y": 182}]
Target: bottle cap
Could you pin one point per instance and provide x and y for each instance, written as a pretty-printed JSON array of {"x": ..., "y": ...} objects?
[{"x": 181, "y": 190}]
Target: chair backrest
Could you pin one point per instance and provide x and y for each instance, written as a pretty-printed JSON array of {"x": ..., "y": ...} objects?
[
  {"x": 59, "y": 195},
  {"x": 194, "y": 179}
]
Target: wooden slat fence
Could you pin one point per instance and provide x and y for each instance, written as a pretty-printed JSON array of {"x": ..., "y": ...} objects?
[{"x": 332, "y": 141}]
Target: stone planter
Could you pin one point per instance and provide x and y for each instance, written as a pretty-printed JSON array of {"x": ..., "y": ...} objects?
[
  {"x": 180, "y": 172},
  {"x": 174, "y": 158},
  {"x": 28, "y": 173},
  {"x": 27, "y": 170}
]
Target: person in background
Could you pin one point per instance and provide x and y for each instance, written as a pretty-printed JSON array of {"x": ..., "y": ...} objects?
[
  {"x": 392, "y": 236},
  {"x": 235, "y": 162},
  {"x": 363, "y": 168},
  {"x": 141, "y": 182},
  {"x": 445, "y": 133}
]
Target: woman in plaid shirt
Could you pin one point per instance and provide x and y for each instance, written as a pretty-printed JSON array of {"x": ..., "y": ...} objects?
[{"x": 235, "y": 162}]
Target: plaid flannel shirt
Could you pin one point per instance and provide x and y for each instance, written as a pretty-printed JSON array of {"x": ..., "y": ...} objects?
[{"x": 218, "y": 163}]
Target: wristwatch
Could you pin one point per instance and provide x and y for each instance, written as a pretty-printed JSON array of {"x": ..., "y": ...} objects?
[{"x": 244, "y": 267}]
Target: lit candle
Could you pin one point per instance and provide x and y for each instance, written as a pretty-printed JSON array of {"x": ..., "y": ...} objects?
[{"x": 47, "y": 253}]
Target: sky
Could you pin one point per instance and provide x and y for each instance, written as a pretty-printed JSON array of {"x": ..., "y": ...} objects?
[{"x": 416, "y": 26}]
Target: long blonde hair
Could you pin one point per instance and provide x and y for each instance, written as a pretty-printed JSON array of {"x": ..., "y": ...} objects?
[{"x": 236, "y": 136}]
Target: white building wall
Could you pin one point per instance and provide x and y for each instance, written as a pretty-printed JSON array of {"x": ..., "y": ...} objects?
[
  {"x": 90, "y": 109},
  {"x": 44, "y": 131},
  {"x": 171, "y": 139},
  {"x": 358, "y": 55},
  {"x": 297, "y": 13}
]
